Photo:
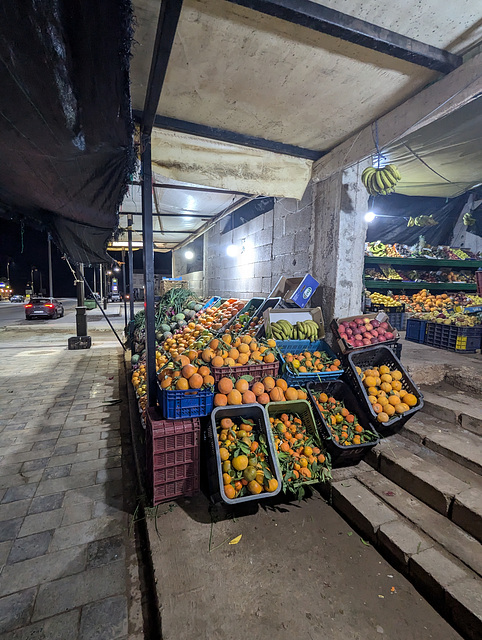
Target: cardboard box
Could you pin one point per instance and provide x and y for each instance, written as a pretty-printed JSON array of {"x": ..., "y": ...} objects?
[
  {"x": 381, "y": 316},
  {"x": 295, "y": 290},
  {"x": 293, "y": 315}
]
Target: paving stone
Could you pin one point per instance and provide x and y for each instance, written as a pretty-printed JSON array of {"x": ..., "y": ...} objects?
[
  {"x": 21, "y": 492},
  {"x": 84, "y": 532},
  {"x": 63, "y": 484},
  {"x": 63, "y": 449},
  {"x": 38, "y": 522},
  {"x": 104, "y": 620},
  {"x": 4, "y": 551},
  {"x": 12, "y": 510},
  {"x": 104, "y": 475},
  {"x": 15, "y": 610},
  {"x": 35, "y": 465},
  {"x": 464, "y": 602},
  {"x": 30, "y": 547},
  {"x": 99, "y": 444},
  {"x": 80, "y": 589},
  {"x": 47, "y": 503},
  {"x": 72, "y": 458},
  {"x": 361, "y": 507},
  {"x": 36, "y": 571},
  {"x": 68, "y": 433},
  {"x": 57, "y": 472},
  {"x": 433, "y": 570},
  {"x": 114, "y": 507},
  {"x": 111, "y": 451},
  {"x": 95, "y": 465},
  {"x": 401, "y": 541},
  {"x": 467, "y": 512},
  {"x": 9, "y": 529},
  {"x": 77, "y": 513},
  {"x": 61, "y": 627},
  {"x": 43, "y": 444},
  {"x": 10, "y": 469},
  {"x": 100, "y": 552}
]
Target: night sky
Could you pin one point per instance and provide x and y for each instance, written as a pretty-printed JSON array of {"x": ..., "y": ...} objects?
[{"x": 32, "y": 251}]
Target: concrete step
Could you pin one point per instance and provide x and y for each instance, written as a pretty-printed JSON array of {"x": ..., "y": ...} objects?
[
  {"x": 413, "y": 537},
  {"x": 447, "y": 403},
  {"x": 426, "y": 476},
  {"x": 447, "y": 439}
]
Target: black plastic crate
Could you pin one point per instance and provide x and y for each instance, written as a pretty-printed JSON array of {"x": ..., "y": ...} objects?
[
  {"x": 371, "y": 308},
  {"x": 79, "y": 342},
  {"x": 375, "y": 357},
  {"x": 342, "y": 455},
  {"x": 398, "y": 319},
  {"x": 415, "y": 331},
  {"x": 451, "y": 338}
]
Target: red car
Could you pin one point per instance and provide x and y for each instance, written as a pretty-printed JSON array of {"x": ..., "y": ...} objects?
[{"x": 43, "y": 308}]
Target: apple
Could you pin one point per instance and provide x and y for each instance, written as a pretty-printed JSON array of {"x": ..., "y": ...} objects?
[
  {"x": 345, "y": 323},
  {"x": 374, "y": 340},
  {"x": 366, "y": 341},
  {"x": 384, "y": 325},
  {"x": 341, "y": 330},
  {"x": 353, "y": 325},
  {"x": 374, "y": 333},
  {"x": 360, "y": 321},
  {"x": 389, "y": 336},
  {"x": 375, "y": 323},
  {"x": 358, "y": 343},
  {"x": 381, "y": 331},
  {"x": 368, "y": 326},
  {"x": 349, "y": 332},
  {"x": 381, "y": 339},
  {"x": 366, "y": 320}
]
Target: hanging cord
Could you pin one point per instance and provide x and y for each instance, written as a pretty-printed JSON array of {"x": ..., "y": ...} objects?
[
  {"x": 96, "y": 301},
  {"x": 375, "y": 140},
  {"x": 427, "y": 165}
]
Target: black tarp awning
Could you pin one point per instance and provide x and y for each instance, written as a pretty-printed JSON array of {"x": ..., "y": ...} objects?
[{"x": 66, "y": 143}]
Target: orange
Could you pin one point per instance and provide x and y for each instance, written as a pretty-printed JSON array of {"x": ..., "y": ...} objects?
[
  {"x": 269, "y": 383},
  {"x": 229, "y": 362},
  {"x": 276, "y": 394},
  {"x": 240, "y": 462},
  {"x": 394, "y": 400},
  {"x": 400, "y": 408},
  {"x": 384, "y": 369},
  {"x": 243, "y": 348},
  {"x": 263, "y": 398},
  {"x": 370, "y": 381},
  {"x": 204, "y": 371},
  {"x": 229, "y": 491},
  {"x": 182, "y": 384},
  {"x": 208, "y": 380},
  {"x": 214, "y": 344},
  {"x": 243, "y": 358},
  {"x": 248, "y": 397},
  {"x": 382, "y": 417},
  {"x": 217, "y": 361},
  {"x": 255, "y": 487},
  {"x": 291, "y": 393},
  {"x": 396, "y": 385},
  {"x": 396, "y": 375},
  {"x": 386, "y": 386},
  {"x": 233, "y": 353},
  {"x": 257, "y": 388},
  {"x": 271, "y": 485},
  {"x": 377, "y": 408},
  {"x": 220, "y": 400},
  {"x": 241, "y": 385},
  {"x": 269, "y": 357},
  {"x": 302, "y": 394},
  {"x": 410, "y": 399},
  {"x": 372, "y": 399},
  {"x": 224, "y": 454},
  {"x": 385, "y": 377},
  {"x": 196, "y": 381},
  {"x": 389, "y": 409},
  {"x": 166, "y": 383},
  {"x": 282, "y": 384},
  {"x": 207, "y": 355},
  {"x": 227, "y": 423},
  {"x": 383, "y": 401},
  {"x": 225, "y": 385},
  {"x": 372, "y": 391},
  {"x": 226, "y": 478},
  {"x": 234, "y": 397}
]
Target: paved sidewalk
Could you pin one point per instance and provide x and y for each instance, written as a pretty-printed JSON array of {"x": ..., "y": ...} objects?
[{"x": 67, "y": 565}]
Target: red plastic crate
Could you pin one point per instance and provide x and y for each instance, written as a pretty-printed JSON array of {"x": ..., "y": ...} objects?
[
  {"x": 172, "y": 457},
  {"x": 257, "y": 371}
]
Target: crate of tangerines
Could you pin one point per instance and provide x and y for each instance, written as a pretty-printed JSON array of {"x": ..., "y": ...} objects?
[
  {"x": 384, "y": 387},
  {"x": 346, "y": 427},
  {"x": 245, "y": 390},
  {"x": 243, "y": 465},
  {"x": 236, "y": 356}
]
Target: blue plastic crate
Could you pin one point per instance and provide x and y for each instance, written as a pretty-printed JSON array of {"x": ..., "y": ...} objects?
[
  {"x": 416, "y": 330},
  {"x": 296, "y": 380},
  {"x": 214, "y": 300},
  {"x": 293, "y": 346},
  {"x": 193, "y": 403}
]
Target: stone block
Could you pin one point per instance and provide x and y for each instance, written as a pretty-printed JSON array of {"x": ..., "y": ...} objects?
[
  {"x": 401, "y": 541},
  {"x": 30, "y": 546},
  {"x": 63, "y": 484},
  {"x": 61, "y": 627},
  {"x": 464, "y": 603},
  {"x": 12, "y": 510},
  {"x": 44, "y": 445},
  {"x": 35, "y": 465},
  {"x": 21, "y": 492},
  {"x": 79, "y": 589},
  {"x": 284, "y": 245},
  {"x": 467, "y": 512},
  {"x": 47, "y": 503},
  {"x": 361, "y": 507},
  {"x": 56, "y": 472},
  {"x": 85, "y": 532},
  {"x": 16, "y": 609},
  {"x": 37, "y": 522},
  {"x": 77, "y": 513},
  {"x": 105, "y": 551},
  {"x": 9, "y": 529},
  {"x": 4, "y": 551},
  {"x": 105, "y": 620},
  {"x": 104, "y": 475},
  {"x": 46, "y": 568},
  {"x": 461, "y": 448}
]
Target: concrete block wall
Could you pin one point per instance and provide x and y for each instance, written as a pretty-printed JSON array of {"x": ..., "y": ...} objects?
[
  {"x": 195, "y": 280},
  {"x": 275, "y": 243}
]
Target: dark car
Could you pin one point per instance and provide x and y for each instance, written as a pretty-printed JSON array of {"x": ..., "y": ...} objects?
[
  {"x": 17, "y": 298},
  {"x": 43, "y": 308}
]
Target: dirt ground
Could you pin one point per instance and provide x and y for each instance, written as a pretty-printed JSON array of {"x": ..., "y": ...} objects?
[{"x": 299, "y": 571}]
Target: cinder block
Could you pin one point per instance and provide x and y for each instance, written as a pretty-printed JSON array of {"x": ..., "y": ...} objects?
[
  {"x": 268, "y": 219},
  {"x": 284, "y": 245},
  {"x": 263, "y": 270},
  {"x": 262, "y": 237}
]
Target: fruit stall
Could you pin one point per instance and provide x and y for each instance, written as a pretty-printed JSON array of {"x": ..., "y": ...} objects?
[{"x": 254, "y": 396}]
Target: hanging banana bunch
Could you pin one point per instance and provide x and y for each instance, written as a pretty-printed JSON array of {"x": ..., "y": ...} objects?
[
  {"x": 421, "y": 221},
  {"x": 381, "y": 181},
  {"x": 468, "y": 219}
]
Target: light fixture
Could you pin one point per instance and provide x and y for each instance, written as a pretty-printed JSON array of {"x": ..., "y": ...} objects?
[
  {"x": 189, "y": 255},
  {"x": 369, "y": 216},
  {"x": 232, "y": 250},
  {"x": 187, "y": 218},
  {"x": 116, "y": 268}
]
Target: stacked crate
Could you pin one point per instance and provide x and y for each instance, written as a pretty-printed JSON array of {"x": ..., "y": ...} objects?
[{"x": 172, "y": 456}]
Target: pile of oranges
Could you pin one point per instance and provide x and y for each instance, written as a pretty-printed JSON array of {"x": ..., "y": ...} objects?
[
  {"x": 216, "y": 317},
  {"x": 385, "y": 392},
  {"x": 244, "y": 459},
  {"x": 237, "y": 351},
  {"x": 344, "y": 426},
  {"x": 308, "y": 362},
  {"x": 231, "y": 392},
  {"x": 299, "y": 453},
  {"x": 425, "y": 301}
]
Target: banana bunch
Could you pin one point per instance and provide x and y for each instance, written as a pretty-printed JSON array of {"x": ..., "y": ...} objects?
[
  {"x": 468, "y": 219},
  {"x": 421, "y": 221},
  {"x": 381, "y": 181},
  {"x": 284, "y": 330},
  {"x": 377, "y": 248},
  {"x": 460, "y": 254}
]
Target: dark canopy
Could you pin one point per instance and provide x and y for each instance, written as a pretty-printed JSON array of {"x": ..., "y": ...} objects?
[{"x": 65, "y": 119}]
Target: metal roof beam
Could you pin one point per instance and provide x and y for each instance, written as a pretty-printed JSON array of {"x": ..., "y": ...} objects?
[
  {"x": 340, "y": 25},
  {"x": 182, "y": 187},
  {"x": 166, "y": 30},
  {"x": 213, "y": 133},
  {"x": 168, "y": 215}
]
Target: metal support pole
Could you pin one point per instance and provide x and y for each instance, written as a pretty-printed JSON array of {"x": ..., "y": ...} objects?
[
  {"x": 131, "y": 269},
  {"x": 80, "y": 317},
  {"x": 148, "y": 242},
  {"x": 51, "y": 284},
  {"x": 124, "y": 284},
  {"x": 101, "y": 285},
  {"x": 104, "y": 273},
  {"x": 95, "y": 278}
]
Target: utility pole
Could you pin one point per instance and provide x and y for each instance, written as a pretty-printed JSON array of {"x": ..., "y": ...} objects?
[
  {"x": 95, "y": 274},
  {"x": 131, "y": 268},
  {"x": 51, "y": 284},
  {"x": 124, "y": 284}
]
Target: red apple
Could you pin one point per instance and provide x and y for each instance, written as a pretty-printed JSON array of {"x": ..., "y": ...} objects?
[
  {"x": 349, "y": 332},
  {"x": 345, "y": 323},
  {"x": 384, "y": 325},
  {"x": 389, "y": 336},
  {"x": 366, "y": 320},
  {"x": 369, "y": 326},
  {"x": 374, "y": 333},
  {"x": 381, "y": 339},
  {"x": 366, "y": 341},
  {"x": 353, "y": 325},
  {"x": 375, "y": 323},
  {"x": 358, "y": 343},
  {"x": 341, "y": 330},
  {"x": 374, "y": 340},
  {"x": 381, "y": 331},
  {"x": 360, "y": 321}
]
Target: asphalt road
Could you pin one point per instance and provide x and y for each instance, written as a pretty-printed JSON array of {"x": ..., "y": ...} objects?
[{"x": 13, "y": 313}]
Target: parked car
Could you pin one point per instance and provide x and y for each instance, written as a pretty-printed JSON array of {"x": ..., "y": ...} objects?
[
  {"x": 43, "y": 308},
  {"x": 114, "y": 297},
  {"x": 17, "y": 298}
]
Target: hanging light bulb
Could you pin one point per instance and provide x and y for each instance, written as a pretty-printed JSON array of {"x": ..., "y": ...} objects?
[
  {"x": 369, "y": 216},
  {"x": 189, "y": 255},
  {"x": 232, "y": 250}
]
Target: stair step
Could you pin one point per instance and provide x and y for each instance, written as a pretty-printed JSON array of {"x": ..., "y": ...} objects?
[
  {"x": 425, "y": 480},
  {"x": 455, "y": 540},
  {"x": 446, "y": 403},
  {"x": 447, "y": 439},
  {"x": 413, "y": 549}
]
